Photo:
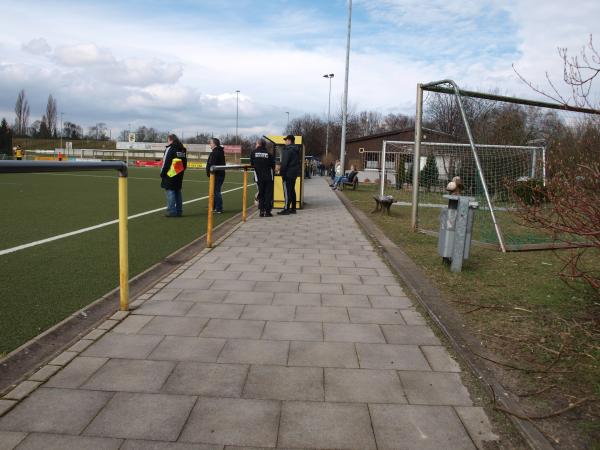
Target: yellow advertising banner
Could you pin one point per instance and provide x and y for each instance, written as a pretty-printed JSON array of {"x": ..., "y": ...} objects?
[{"x": 196, "y": 165}]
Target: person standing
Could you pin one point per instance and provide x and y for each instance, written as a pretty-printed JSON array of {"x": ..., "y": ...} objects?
[
  {"x": 264, "y": 165},
  {"x": 174, "y": 163},
  {"x": 216, "y": 158},
  {"x": 291, "y": 168}
]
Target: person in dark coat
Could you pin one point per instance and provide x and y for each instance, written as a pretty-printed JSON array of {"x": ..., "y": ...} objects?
[
  {"x": 291, "y": 168},
  {"x": 216, "y": 158},
  {"x": 172, "y": 175},
  {"x": 264, "y": 166}
]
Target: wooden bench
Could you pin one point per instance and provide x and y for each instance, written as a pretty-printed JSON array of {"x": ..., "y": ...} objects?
[
  {"x": 383, "y": 204},
  {"x": 353, "y": 183}
]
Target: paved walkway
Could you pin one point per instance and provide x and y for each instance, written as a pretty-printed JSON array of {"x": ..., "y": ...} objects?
[{"x": 292, "y": 333}]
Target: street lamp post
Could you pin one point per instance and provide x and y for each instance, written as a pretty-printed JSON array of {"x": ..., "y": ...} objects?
[
  {"x": 345, "y": 103},
  {"x": 330, "y": 76},
  {"x": 237, "y": 100}
]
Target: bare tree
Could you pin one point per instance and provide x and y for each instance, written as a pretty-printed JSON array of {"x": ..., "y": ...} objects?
[
  {"x": 22, "y": 114},
  {"x": 51, "y": 115}
]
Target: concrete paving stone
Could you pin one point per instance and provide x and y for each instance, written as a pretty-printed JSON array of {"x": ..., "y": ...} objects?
[
  {"x": 439, "y": 359},
  {"x": 325, "y": 426},
  {"x": 320, "y": 270},
  {"x": 131, "y": 346},
  {"x": 76, "y": 373},
  {"x": 349, "y": 279},
  {"x": 304, "y": 299},
  {"x": 387, "y": 356},
  {"x": 375, "y": 315},
  {"x": 174, "y": 326},
  {"x": 477, "y": 424},
  {"x": 338, "y": 263},
  {"x": 422, "y": 427},
  {"x": 177, "y": 348},
  {"x": 371, "y": 263},
  {"x": 346, "y": 300},
  {"x": 353, "y": 332},
  {"x": 322, "y": 354},
  {"x": 300, "y": 262},
  {"x": 283, "y": 268},
  {"x": 301, "y": 277},
  {"x": 220, "y": 275},
  {"x": 183, "y": 283},
  {"x": 155, "y": 445},
  {"x": 250, "y": 298},
  {"x": 130, "y": 375},
  {"x": 321, "y": 314},
  {"x": 44, "y": 373},
  {"x": 45, "y": 441},
  {"x": 387, "y": 301},
  {"x": 434, "y": 388},
  {"x": 55, "y": 411},
  {"x": 234, "y": 259},
  {"x": 80, "y": 345},
  {"x": 108, "y": 324},
  {"x": 358, "y": 271},
  {"x": 260, "y": 276},
  {"x": 367, "y": 279},
  {"x": 211, "y": 267},
  {"x": 293, "y": 331},
  {"x": 10, "y": 439},
  {"x": 247, "y": 351},
  {"x": 233, "y": 285},
  {"x": 318, "y": 288},
  {"x": 269, "y": 312},
  {"x": 363, "y": 386},
  {"x": 384, "y": 272},
  {"x": 216, "y": 311},
  {"x": 142, "y": 416},
  {"x": 233, "y": 422},
  {"x": 187, "y": 274},
  {"x": 136, "y": 304},
  {"x": 409, "y": 334},
  {"x": 284, "y": 383},
  {"x": 132, "y": 324},
  {"x": 207, "y": 380},
  {"x": 199, "y": 296},
  {"x": 334, "y": 252},
  {"x": 412, "y": 317},
  {"x": 164, "y": 308},
  {"x": 234, "y": 329},
  {"x": 63, "y": 359},
  {"x": 365, "y": 289},
  {"x": 276, "y": 286},
  {"x": 95, "y": 334},
  {"x": 395, "y": 289},
  {"x": 22, "y": 390},
  {"x": 166, "y": 294}
]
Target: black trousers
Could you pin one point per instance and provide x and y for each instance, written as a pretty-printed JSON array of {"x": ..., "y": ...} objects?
[
  {"x": 265, "y": 195},
  {"x": 290, "y": 192}
]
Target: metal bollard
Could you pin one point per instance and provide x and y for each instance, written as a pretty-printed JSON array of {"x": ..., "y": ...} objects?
[{"x": 456, "y": 226}]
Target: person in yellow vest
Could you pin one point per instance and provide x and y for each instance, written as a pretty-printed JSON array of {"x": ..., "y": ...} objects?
[
  {"x": 174, "y": 163},
  {"x": 18, "y": 153}
]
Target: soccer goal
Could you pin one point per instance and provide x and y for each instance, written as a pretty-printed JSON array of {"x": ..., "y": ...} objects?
[{"x": 497, "y": 145}]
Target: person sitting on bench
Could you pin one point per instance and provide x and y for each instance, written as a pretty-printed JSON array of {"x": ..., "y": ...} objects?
[{"x": 346, "y": 178}]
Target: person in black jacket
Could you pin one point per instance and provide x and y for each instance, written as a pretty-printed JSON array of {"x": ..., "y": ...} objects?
[
  {"x": 216, "y": 158},
  {"x": 290, "y": 170},
  {"x": 172, "y": 181},
  {"x": 264, "y": 165}
]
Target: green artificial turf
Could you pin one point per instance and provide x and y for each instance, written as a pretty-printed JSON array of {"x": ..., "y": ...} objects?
[{"x": 42, "y": 285}]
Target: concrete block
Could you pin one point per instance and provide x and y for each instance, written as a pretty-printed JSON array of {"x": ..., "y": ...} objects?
[
  {"x": 132, "y": 324},
  {"x": 119, "y": 315},
  {"x": 260, "y": 276},
  {"x": 142, "y": 416},
  {"x": 164, "y": 308},
  {"x": 276, "y": 286},
  {"x": 269, "y": 312},
  {"x": 318, "y": 288},
  {"x": 439, "y": 359},
  {"x": 108, "y": 324},
  {"x": 349, "y": 279},
  {"x": 76, "y": 373},
  {"x": 363, "y": 386},
  {"x": 6, "y": 405},
  {"x": 219, "y": 275},
  {"x": 332, "y": 270},
  {"x": 207, "y": 380},
  {"x": 234, "y": 329},
  {"x": 395, "y": 289},
  {"x": 301, "y": 277},
  {"x": 63, "y": 359},
  {"x": 216, "y": 311},
  {"x": 95, "y": 334},
  {"x": 233, "y": 285},
  {"x": 434, "y": 388},
  {"x": 177, "y": 348},
  {"x": 55, "y": 411},
  {"x": 346, "y": 300},
  {"x": 322, "y": 354},
  {"x": 130, "y": 375},
  {"x": 422, "y": 427},
  {"x": 199, "y": 296},
  {"x": 353, "y": 332},
  {"x": 283, "y": 269},
  {"x": 284, "y": 383},
  {"x": 44, "y": 373},
  {"x": 477, "y": 424},
  {"x": 22, "y": 390},
  {"x": 155, "y": 445},
  {"x": 44, "y": 441},
  {"x": 321, "y": 314},
  {"x": 386, "y": 301},
  {"x": 246, "y": 351},
  {"x": 375, "y": 315},
  {"x": 325, "y": 426},
  {"x": 131, "y": 346},
  {"x": 409, "y": 334},
  {"x": 387, "y": 356},
  {"x": 10, "y": 439},
  {"x": 250, "y": 298},
  {"x": 233, "y": 422},
  {"x": 80, "y": 345},
  {"x": 412, "y": 317},
  {"x": 187, "y": 283},
  {"x": 174, "y": 326},
  {"x": 364, "y": 289},
  {"x": 293, "y": 331},
  {"x": 367, "y": 279},
  {"x": 358, "y": 271},
  {"x": 297, "y": 299}
]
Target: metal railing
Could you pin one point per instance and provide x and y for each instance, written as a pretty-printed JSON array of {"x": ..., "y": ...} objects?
[
  {"x": 211, "y": 197},
  {"x": 121, "y": 167}
]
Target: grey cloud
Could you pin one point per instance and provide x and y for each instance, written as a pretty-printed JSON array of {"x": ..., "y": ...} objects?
[{"x": 37, "y": 46}]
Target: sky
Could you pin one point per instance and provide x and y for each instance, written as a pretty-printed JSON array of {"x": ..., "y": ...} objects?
[{"x": 175, "y": 65}]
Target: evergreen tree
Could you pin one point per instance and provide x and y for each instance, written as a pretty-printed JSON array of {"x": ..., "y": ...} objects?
[{"x": 430, "y": 173}]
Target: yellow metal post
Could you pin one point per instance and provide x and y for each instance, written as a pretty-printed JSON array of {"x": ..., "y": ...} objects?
[
  {"x": 245, "y": 194},
  {"x": 123, "y": 246},
  {"x": 211, "y": 202}
]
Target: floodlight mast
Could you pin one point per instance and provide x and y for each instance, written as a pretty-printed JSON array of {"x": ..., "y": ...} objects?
[
  {"x": 345, "y": 103},
  {"x": 329, "y": 76}
]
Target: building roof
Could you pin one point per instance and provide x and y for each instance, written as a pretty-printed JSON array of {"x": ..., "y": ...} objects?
[{"x": 394, "y": 132}]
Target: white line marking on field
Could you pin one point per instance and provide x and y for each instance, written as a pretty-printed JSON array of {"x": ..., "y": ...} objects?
[
  {"x": 157, "y": 179},
  {"x": 100, "y": 225}
]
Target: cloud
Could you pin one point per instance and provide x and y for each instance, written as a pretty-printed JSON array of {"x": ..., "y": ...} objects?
[
  {"x": 37, "y": 46},
  {"x": 81, "y": 55}
]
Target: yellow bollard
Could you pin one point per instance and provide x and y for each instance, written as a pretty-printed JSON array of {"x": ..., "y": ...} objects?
[
  {"x": 211, "y": 202},
  {"x": 123, "y": 246},
  {"x": 245, "y": 194}
]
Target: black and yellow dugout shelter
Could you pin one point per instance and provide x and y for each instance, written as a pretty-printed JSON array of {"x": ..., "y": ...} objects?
[{"x": 278, "y": 196}]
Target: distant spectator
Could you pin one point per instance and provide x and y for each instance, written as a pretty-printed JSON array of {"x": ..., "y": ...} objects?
[
  {"x": 216, "y": 158},
  {"x": 346, "y": 178}
]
